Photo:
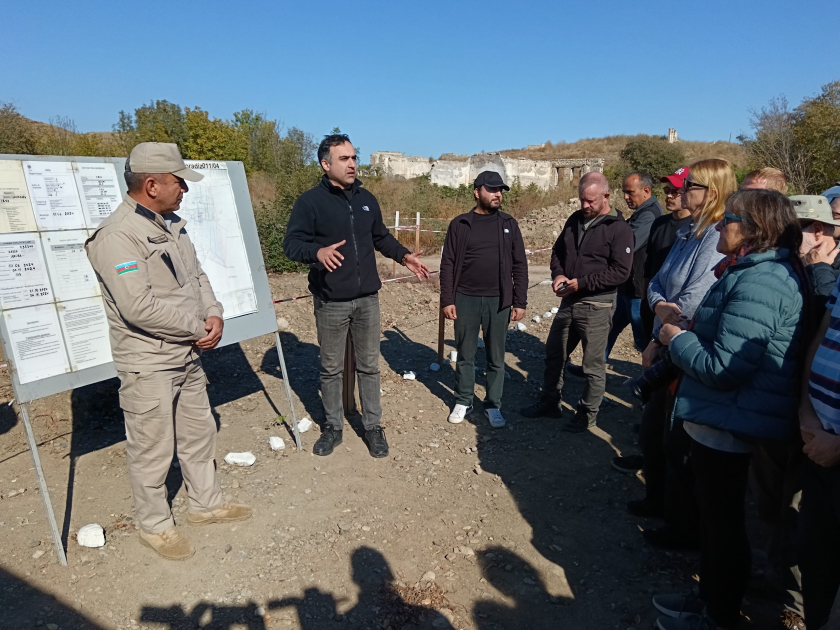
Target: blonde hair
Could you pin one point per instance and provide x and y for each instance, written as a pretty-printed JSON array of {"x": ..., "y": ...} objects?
[
  {"x": 773, "y": 179},
  {"x": 719, "y": 178}
]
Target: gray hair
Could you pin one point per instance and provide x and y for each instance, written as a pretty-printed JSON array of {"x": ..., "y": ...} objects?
[
  {"x": 135, "y": 181},
  {"x": 594, "y": 178},
  {"x": 644, "y": 178}
]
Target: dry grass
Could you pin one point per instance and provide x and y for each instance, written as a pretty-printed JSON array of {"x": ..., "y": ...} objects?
[{"x": 609, "y": 148}]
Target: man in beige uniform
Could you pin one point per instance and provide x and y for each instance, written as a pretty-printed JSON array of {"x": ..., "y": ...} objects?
[{"x": 162, "y": 313}]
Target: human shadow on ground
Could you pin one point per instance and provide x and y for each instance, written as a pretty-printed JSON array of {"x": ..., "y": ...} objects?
[
  {"x": 8, "y": 418},
  {"x": 25, "y": 606},
  {"x": 533, "y": 606},
  {"x": 383, "y": 601},
  {"x": 402, "y": 354},
  {"x": 204, "y": 615}
]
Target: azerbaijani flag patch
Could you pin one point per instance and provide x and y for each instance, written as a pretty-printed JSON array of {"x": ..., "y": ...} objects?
[{"x": 126, "y": 267}]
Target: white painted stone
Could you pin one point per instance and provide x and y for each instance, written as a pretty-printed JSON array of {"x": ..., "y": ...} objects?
[
  {"x": 409, "y": 376},
  {"x": 521, "y": 327},
  {"x": 276, "y": 443},
  {"x": 547, "y": 315},
  {"x": 555, "y": 310},
  {"x": 240, "y": 459},
  {"x": 91, "y": 536},
  {"x": 304, "y": 425},
  {"x": 536, "y": 319},
  {"x": 453, "y": 355}
]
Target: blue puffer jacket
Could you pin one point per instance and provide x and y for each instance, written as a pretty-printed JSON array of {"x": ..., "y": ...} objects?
[{"x": 741, "y": 361}]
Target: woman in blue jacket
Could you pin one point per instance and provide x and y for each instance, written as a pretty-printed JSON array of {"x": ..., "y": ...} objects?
[{"x": 740, "y": 359}]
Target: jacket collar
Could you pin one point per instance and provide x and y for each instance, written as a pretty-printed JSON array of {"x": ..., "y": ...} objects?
[
  {"x": 653, "y": 201},
  {"x": 781, "y": 255},
  {"x": 611, "y": 216},
  {"x": 326, "y": 183},
  {"x": 139, "y": 210}
]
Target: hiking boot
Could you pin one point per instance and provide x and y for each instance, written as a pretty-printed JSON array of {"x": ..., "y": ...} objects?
[
  {"x": 169, "y": 544},
  {"x": 691, "y": 622},
  {"x": 575, "y": 370},
  {"x": 459, "y": 413},
  {"x": 495, "y": 417},
  {"x": 645, "y": 509},
  {"x": 226, "y": 513},
  {"x": 679, "y": 605},
  {"x": 579, "y": 424},
  {"x": 542, "y": 409},
  {"x": 330, "y": 438},
  {"x": 377, "y": 444},
  {"x": 670, "y": 539},
  {"x": 628, "y": 463}
]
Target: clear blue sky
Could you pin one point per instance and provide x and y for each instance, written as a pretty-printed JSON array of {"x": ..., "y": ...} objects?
[{"x": 429, "y": 77}]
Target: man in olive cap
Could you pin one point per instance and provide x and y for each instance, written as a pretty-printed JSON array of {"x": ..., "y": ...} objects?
[{"x": 162, "y": 314}]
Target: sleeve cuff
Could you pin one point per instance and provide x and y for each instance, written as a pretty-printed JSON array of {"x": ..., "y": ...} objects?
[{"x": 213, "y": 311}]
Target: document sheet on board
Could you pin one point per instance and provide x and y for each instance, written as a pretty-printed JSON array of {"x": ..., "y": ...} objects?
[
  {"x": 37, "y": 347},
  {"x": 52, "y": 188},
  {"x": 70, "y": 271},
  {"x": 213, "y": 225},
  {"x": 16, "y": 214},
  {"x": 98, "y": 189},
  {"x": 23, "y": 274},
  {"x": 85, "y": 329}
]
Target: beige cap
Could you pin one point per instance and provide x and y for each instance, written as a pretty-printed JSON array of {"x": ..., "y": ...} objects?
[
  {"x": 160, "y": 157},
  {"x": 813, "y": 208}
]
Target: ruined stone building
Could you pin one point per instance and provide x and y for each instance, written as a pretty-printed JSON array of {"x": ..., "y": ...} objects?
[{"x": 453, "y": 173}]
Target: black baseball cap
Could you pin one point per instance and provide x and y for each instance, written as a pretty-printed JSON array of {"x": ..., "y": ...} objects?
[{"x": 491, "y": 179}]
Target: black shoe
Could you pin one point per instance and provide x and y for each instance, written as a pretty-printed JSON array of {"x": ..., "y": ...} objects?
[
  {"x": 628, "y": 464},
  {"x": 377, "y": 444},
  {"x": 330, "y": 438},
  {"x": 645, "y": 509},
  {"x": 670, "y": 539},
  {"x": 579, "y": 424},
  {"x": 575, "y": 370},
  {"x": 542, "y": 409}
]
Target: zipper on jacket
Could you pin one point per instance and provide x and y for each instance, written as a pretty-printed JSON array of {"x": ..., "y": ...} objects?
[{"x": 355, "y": 246}]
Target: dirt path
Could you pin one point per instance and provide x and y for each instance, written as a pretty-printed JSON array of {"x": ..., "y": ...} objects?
[{"x": 522, "y": 527}]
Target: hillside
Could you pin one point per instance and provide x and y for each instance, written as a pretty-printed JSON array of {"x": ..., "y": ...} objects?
[{"x": 610, "y": 146}]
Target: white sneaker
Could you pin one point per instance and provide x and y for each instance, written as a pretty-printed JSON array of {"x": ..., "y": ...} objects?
[
  {"x": 495, "y": 417},
  {"x": 459, "y": 413}
]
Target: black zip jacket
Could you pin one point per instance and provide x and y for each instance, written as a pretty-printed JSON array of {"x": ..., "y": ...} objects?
[
  {"x": 641, "y": 222},
  {"x": 322, "y": 216},
  {"x": 513, "y": 265},
  {"x": 600, "y": 261}
]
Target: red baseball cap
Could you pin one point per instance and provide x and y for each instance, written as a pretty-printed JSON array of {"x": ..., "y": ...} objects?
[{"x": 677, "y": 178}]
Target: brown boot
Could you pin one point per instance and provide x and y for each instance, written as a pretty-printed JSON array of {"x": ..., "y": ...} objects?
[
  {"x": 169, "y": 544},
  {"x": 223, "y": 514}
]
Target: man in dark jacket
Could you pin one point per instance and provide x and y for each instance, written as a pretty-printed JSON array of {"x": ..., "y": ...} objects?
[
  {"x": 336, "y": 227},
  {"x": 591, "y": 258},
  {"x": 639, "y": 197},
  {"x": 483, "y": 272}
]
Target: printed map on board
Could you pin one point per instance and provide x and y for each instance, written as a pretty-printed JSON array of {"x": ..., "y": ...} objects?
[{"x": 213, "y": 226}]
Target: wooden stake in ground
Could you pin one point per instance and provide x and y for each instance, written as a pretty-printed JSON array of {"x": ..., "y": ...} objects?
[
  {"x": 396, "y": 236},
  {"x": 441, "y": 328},
  {"x": 417, "y": 234}
]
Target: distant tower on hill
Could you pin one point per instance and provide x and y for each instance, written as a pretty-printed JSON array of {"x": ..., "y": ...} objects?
[{"x": 672, "y": 135}]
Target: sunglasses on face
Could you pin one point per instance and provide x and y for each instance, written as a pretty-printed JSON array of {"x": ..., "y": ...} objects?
[
  {"x": 730, "y": 218},
  {"x": 671, "y": 192},
  {"x": 688, "y": 185}
]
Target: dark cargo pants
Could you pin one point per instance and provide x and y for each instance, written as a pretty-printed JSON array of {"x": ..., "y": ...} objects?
[{"x": 588, "y": 324}]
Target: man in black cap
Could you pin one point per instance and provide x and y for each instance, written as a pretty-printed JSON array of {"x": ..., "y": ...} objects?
[{"x": 483, "y": 285}]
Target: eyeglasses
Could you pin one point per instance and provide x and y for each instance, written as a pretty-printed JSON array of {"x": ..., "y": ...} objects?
[
  {"x": 688, "y": 185},
  {"x": 730, "y": 218}
]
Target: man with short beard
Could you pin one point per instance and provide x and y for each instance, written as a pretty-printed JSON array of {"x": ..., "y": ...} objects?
[
  {"x": 483, "y": 286},
  {"x": 591, "y": 258}
]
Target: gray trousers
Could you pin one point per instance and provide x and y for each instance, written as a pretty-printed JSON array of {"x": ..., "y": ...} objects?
[
  {"x": 333, "y": 320},
  {"x": 474, "y": 314},
  {"x": 582, "y": 323}
]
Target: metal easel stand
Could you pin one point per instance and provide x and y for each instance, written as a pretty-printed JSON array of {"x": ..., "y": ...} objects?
[
  {"x": 288, "y": 391},
  {"x": 42, "y": 484}
]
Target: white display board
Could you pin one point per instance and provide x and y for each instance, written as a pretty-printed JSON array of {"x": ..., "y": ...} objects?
[{"x": 52, "y": 316}]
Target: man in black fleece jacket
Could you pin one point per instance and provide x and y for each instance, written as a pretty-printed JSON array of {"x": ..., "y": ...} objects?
[
  {"x": 592, "y": 256},
  {"x": 336, "y": 228}
]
